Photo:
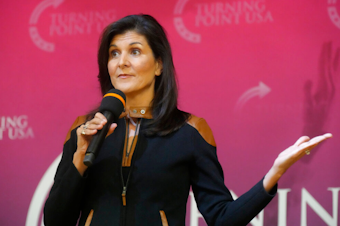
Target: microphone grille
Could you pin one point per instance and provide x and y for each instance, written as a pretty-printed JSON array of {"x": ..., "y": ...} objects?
[{"x": 113, "y": 101}]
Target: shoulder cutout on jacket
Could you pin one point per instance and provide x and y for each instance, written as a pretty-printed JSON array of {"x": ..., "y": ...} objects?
[
  {"x": 203, "y": 128},
  {"x": 80, "y": 120}
]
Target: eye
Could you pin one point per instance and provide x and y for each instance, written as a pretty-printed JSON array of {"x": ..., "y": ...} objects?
[
  {"x": 114, "y": 53},
  {"x": 135, "y": 52}
]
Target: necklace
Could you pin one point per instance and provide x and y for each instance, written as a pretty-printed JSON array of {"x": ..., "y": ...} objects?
[
  {"x": 131, "y": 120},
  {"x": 137, "y": 125}
]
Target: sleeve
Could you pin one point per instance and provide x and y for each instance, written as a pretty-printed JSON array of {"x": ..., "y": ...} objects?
[
  {"x": 213, "y": 198},
  {"x": 63, "y": 204}
]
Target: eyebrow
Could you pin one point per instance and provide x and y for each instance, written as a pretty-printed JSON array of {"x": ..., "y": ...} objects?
[{"x": 132, "y": 43}]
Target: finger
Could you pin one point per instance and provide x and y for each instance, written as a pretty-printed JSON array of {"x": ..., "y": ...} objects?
[
  {"x": 328, "y": 135},
  {"x": 301, "y": 140},
  {"x": 85, "y": 131},
  {"x": 81, "y": 130},
  {"x": 99, "y": 115},
  {"x": 112, "y": 128},
  {"x": 309, "y": 145},
  {"x": 316, "y": 140},
  {"x": 95, "y": 123}
]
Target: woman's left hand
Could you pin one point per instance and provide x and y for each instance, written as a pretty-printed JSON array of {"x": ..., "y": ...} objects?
[{"x": 289, "y": 156}]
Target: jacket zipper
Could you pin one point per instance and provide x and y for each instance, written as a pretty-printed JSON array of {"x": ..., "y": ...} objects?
[
  {"x": 127, "y": 180},
  {"x": 124, "y": 196}
]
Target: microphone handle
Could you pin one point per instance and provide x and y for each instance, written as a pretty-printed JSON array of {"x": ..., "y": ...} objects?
[{"x": 98, "y": 139}]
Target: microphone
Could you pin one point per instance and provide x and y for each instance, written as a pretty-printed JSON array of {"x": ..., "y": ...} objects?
[{"x": 111, "y": 107}]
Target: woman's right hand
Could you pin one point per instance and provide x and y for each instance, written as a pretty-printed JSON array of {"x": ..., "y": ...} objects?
[{"x": 84, "y": 136}]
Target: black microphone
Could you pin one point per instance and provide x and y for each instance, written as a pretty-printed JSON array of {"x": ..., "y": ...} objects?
[{"x": 111, "y": 107}]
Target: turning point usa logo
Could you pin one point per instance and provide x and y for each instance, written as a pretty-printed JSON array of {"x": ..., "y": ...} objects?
[
  {"x": 66, "y": 24},
  {"x": 15, "y": 127},
  {"x": 220, "y": 13}
]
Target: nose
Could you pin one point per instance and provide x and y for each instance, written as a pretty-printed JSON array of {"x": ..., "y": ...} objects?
[{"x": 124, "y": 60}]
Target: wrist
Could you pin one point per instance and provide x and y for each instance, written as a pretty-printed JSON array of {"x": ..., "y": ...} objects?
[
  {"x": 271, "y": 178},
  {"x": 78, "y": 163}
]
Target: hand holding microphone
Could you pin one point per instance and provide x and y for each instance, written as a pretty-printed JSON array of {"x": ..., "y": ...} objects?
[{"x": 93, "y": 133}]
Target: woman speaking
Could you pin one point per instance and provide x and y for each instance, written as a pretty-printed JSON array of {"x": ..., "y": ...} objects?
[{"x": 154, "y": 152}]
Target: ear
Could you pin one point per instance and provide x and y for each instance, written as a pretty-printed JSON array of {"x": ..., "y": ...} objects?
[{"x": 159, "y": 67}]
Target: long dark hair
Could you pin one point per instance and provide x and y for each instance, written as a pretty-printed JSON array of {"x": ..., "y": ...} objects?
[{"x": 166, "y": 116}]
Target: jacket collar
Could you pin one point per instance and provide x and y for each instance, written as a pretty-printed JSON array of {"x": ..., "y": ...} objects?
[{"x": 138, "y": 112}]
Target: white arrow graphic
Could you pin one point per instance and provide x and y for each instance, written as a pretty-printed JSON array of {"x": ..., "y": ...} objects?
[
  {"x": 33, "y": 30},
  {"x": 260, "y": 91}
]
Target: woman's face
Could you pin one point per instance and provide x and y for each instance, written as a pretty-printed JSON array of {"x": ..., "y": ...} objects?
[{"x": 132, "y": 66}]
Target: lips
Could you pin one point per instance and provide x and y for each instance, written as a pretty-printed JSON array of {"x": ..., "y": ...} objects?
[{"x": 124, "y": 76}]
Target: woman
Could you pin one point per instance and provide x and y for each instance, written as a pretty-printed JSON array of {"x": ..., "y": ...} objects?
[{"x": 145, "y": 168}]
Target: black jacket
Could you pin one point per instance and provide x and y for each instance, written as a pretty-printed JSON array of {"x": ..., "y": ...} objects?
[{"x": 162, "y": 169}]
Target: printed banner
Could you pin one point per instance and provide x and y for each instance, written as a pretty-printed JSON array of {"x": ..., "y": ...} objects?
[{"x": 261, "y": 72}]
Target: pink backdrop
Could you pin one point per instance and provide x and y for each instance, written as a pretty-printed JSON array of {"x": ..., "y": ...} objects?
[{"x": 261, "y": 72}]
